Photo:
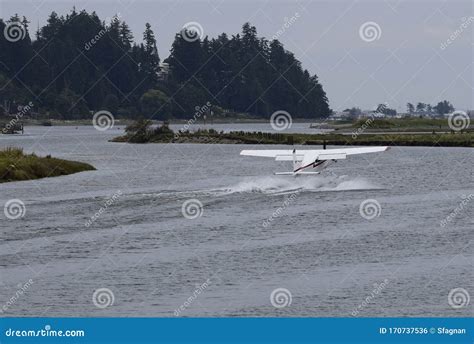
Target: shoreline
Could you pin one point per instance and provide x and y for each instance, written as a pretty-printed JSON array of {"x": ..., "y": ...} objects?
[
  {"x": 18, "y": 166},
  {"x": 256, "y": 138}
]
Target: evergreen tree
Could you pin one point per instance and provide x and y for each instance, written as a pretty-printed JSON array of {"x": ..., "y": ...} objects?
[
  {"x": 79, "y": 63},
  {"x": 185, "y": 58},
  {"x": 444, "y": 107},
  {"x": 150, "y": 60},
  {"x": 420, "y": 107}
]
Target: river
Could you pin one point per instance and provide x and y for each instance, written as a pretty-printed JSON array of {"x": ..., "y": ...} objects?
[{"x": 121, "y": 230}]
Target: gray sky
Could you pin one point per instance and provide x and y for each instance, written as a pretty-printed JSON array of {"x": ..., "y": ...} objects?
[{"x": 405, "y": 63}]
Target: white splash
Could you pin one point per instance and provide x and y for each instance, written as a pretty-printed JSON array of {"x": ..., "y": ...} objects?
[{"x": 279, "y": 184}]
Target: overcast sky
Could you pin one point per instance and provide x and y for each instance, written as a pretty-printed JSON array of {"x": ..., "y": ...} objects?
[{"x": 408, "y": 60}]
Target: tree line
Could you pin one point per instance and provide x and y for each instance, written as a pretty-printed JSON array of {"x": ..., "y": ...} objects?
[
  {"x": 78, "y": 64},
  {"x": 441, "y": 108}
]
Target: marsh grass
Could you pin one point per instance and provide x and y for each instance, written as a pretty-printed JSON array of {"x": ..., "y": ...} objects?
[
  {"x": 240, "y": 137},
  {"x": 15, "y": 165},
  {"x": 414, "y": 123}
]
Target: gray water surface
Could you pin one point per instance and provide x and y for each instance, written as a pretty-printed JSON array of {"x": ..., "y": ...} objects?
[{"x": 256, "y": 233}]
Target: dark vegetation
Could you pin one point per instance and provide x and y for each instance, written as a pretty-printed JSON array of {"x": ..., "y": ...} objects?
[
  {"x": 143, "y": 132},
  {"x": 414, "y": 123},
  {"x": 16, "y": 165},
  {"x": 428, "y": 109},
  {"x": 421, "y": 110},
  {"x": 78, "y": 64}
]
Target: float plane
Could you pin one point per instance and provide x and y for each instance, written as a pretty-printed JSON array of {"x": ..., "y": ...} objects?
[{"x": 310, "y": 161}]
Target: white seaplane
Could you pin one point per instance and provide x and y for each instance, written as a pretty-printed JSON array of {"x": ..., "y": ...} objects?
[{"x": 314, "y": 159}]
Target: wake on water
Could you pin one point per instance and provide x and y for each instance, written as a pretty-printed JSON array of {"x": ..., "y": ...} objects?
[
  {"x": 285, "y": 184},
  {"x": 271, "y": 185}
]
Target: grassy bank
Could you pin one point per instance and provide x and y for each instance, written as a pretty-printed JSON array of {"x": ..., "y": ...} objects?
[
  {"x": 16, "y": 165},
  {"x": 161, "y": 135},
  {"x": 444, "y": 140},
  {"x": 404, "y": 123},
  {"x": 401, "y": 125}
]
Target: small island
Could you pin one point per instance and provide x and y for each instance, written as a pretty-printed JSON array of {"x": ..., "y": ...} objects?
[
  {"x": 15, "y": 165},
  {"x": 142, "y": 131}
]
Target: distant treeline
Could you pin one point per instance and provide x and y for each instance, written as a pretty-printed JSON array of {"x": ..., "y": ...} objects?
[
  {"x": 78, "y": 64},
  {"x": 441, "y": 108}
]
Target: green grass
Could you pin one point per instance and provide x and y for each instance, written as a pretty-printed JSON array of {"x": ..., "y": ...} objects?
[
  {"x": 447, "y": 140},
  {"x": 240, "y": 137},
  {"x": 16, "y": 165},
  {"x": 428, "y": 139},
  {"x": 403, "y": 123}
]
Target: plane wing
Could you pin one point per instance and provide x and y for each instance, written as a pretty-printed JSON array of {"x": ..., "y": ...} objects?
[
  {"x": 320, "y": 154},
  {"x": 315, "y": 158}
]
